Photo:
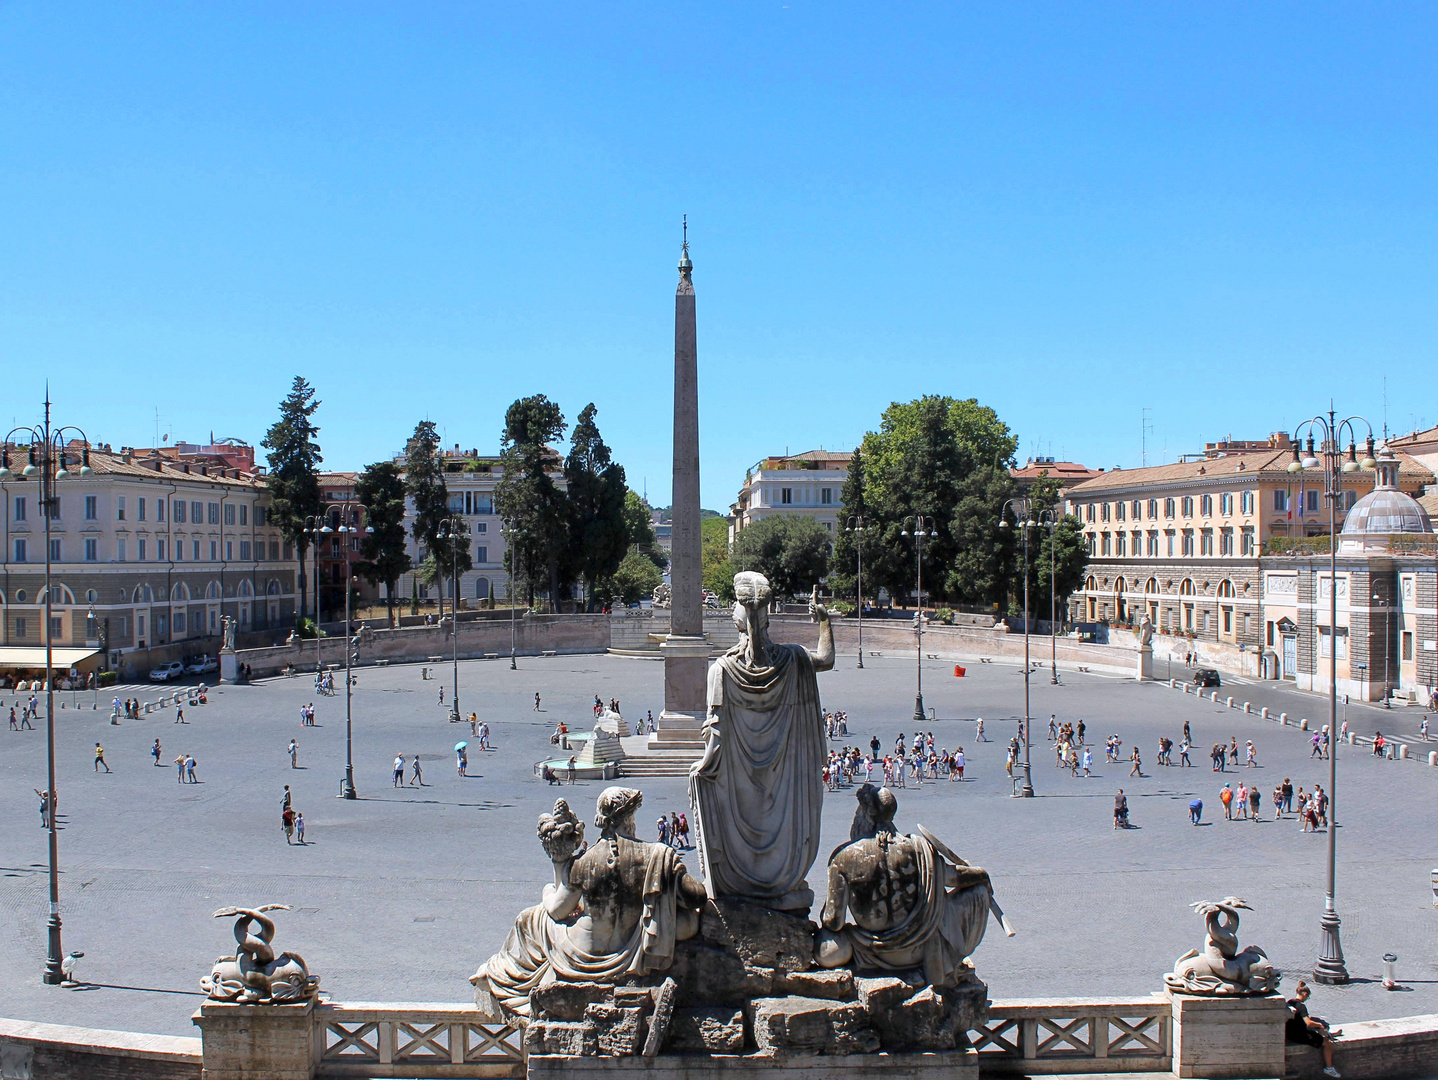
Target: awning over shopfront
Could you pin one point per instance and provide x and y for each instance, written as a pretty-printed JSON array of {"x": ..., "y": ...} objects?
[{"x": 32, "y": 657}]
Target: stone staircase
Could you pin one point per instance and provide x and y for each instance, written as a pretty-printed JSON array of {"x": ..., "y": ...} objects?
[{"x": 658, "y": 763}]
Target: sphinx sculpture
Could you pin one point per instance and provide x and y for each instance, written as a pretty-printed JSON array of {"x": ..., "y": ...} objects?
[
  {"x": 915, "y": 904},
  {"x": 255, "y": 975},
  {"x": 1220, "y": 968},
  {"x": 614, "y": 911},
  {"x": 757, "y": 792}
]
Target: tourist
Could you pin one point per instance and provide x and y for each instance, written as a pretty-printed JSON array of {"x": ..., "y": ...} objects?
[
  {"x": 1187, "y": 734},
  {"x": 398, "y": 770},
  {"x": 1277, "y": 802},
  {"x": 179, "y": 715},
  {"x": 1137, "y": 769},
  {"x": 473, "y": 724},
  {"x": 100, "y": 758},
  {"x": 979, "y": 735},
  {"x": 536, "y": 702},
  {"x": 190, "y": 764},
  {"x": 1081, "y": 729},
  {"x": 1422, "y": 728},
  {"x": 1305, "y": 1030},
  {"x": 548, "y": 774},
  {"x": 44, "y": 808},
  {"x": 417, "y": 780},
  {"x": 484, "y": 736},
  {"x": 569, "y": 770},
  {"x": 1120, "y": 810},
  {"x": 461, "y": 760},
  {"x": 1087, "y": 761},
  {"x": 1183, "y": 749},
  {"x": 13, "y": 726},
  {"x": 1379, "y": 742},
  {"x": 684, "y": 831},
  {"x": 1053, "y": 727},
  {"x": 956, "y": 771},
  {"x": 662, "y": 825},
  {"x": 287, "y": 822},
  {"x": 1287, "y": 795},
  {"x": 1317, "y": 743},
  {"x": 180, "y": 769},
  {"x": 300, "y": 827},
  {"x": 1225, "y": 796},
  {"x": 294, "y": 752},
  {"x": 1240, "y": 798},
  {"x": 1195, "y": 811},
  {"x": 1250, "y": 756},
  {"x": 285, "y": 800},
  {"x": 1233, "y": 750},
  {"x": 155, "y": 752},
  {"x": 1255, "y": 802},
  {"x": 674, "y": 830}
]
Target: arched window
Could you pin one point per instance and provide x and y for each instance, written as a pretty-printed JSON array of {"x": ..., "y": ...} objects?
[
  {"x": 180, "y": 591},
  {"x": 1091, "y": 584},
  {"x": 61, "y": 594},
  {"x": 1118, "y": 585},
  {"x": 1225, "y": 588},
  {"x": 1185, "y": 587},
  {"x": 246, "y": 589},
  {"x": 273, "y": 588},
  {"x": 212, "y": 591},
  {"x": 481, "y": 588},
  {"x": 143, "y": 595},
  {"x": 1151, "y": 585}
]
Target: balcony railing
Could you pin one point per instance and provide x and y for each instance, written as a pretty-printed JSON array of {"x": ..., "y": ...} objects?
[
  {"x": 1075, "y": 1035},
  {"x": 401, "y": 1040}
]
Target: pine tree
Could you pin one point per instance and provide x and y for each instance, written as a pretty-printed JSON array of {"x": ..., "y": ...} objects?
[
  {"x": 527, "y": 498},
  {"x": 294, "y": 479},
  {"x": 595, "y": 495},
  {"x": 381, "y": 489},
  {"x": 424, "y": 483}
]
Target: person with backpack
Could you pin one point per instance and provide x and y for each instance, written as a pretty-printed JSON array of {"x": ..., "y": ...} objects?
[{"x": 1225, "y": 796}]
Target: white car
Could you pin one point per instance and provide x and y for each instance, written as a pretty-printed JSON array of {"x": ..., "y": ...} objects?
[
  {"x": 202, "y": 665},
  {"x": 165, "y": 672}
]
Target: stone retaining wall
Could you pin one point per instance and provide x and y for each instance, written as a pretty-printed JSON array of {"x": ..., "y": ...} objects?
[
  {"x": 477, "y": 637},
  {"x": 61, "y": 1052},
  {"x": 1376, "y": 1049}
]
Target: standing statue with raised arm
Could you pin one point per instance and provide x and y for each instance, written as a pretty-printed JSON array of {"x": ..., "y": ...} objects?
[{"x": 757, "y": 792}]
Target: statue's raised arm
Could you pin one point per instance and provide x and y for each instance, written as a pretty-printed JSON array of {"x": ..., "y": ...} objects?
[{"x": 823, "y": 656}]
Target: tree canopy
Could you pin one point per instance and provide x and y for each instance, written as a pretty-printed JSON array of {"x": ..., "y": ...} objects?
[
  {"x": 381, "y": 488},
  {"x": 792, "y": 551},
  {"x": 294, "y": 471},
  {"x": 527, "y": 498},
  {"x": 595, "y": 498},
  {"x": 424, "y": 484},
  {"x": 716, "y": 570}
]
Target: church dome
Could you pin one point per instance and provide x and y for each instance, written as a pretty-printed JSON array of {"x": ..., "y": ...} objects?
[{"x": 1385, "y": 510}]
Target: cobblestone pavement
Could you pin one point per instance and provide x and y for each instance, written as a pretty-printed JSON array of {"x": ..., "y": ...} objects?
[{"x": 400, "y": 895}]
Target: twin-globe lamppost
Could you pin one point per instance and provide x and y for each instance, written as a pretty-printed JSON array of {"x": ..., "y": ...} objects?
[
  {"x": 48, "y": 460},
  {"x": 1022, "y": 507},
  {"x": 318, "y": 526},
  {"x": 922, "y": 529},
  {"x": 858, "y": 527},
  {"x": 452, "y": 530},
  {"x": 1330, "y": 433}
]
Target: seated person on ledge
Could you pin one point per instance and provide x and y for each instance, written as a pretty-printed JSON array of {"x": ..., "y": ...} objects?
[{"x": 1309, "y": 1030}]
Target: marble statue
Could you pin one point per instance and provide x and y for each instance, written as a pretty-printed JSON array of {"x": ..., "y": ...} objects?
[
  {"x": 915, "y": 904},
  {"x": 255, "y": 975},
  {"x": 228, "y": 624},
  {"x": 614, "y": 910},
  {"x": 1220, "y": 968},
  {"x": 757, "y": 792},
  {"x": 1145, "y": 630},
  {"x": 661, "y": 595}
]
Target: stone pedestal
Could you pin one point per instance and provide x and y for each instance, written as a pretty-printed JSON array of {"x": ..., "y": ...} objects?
[
  {"x": 686, "y": 690},
  {"x": 950, "y": 1065},
  {"x": 1143, "y": 664},
  {"x": 1234, "y": 1036},
  {"x": 257, "y": 1042},
  {"x": 229, "y": 667}
]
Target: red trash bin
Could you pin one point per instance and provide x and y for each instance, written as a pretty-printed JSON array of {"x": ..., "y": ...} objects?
[{"x": 958, "y": 672}]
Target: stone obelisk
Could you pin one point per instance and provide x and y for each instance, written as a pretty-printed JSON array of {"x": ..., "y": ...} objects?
[{"x": 686, "y": 651}]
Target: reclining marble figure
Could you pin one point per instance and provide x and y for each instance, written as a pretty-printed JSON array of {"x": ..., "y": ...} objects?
[
  {"x": 758, "y": 790},
  {"x": 915, "y": 905},
  {"x": 612, "y": 913}
]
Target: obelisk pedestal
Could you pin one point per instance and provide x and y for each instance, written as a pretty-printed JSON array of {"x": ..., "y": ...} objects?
[{"x": 686, "y": 652}]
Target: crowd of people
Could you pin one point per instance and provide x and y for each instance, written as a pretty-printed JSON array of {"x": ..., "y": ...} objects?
[{"x": 911, "y": 761}]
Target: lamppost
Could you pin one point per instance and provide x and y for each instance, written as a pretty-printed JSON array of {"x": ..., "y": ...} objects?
[
  {"x": 452, "y": 530},
  {"x": 857, "y": 526},
  {"x": 47, "y": 460},
  {"x": 1330, "y": 968},
  {"x": 1022, "y": 507},
  {"x": 923, "y": 528},
  {"x": 1378, "y": 601},
  {"x": 316, "y": 527},
  {"x": 347, "y": 789},
  {"x": 1050, "y": 519}
]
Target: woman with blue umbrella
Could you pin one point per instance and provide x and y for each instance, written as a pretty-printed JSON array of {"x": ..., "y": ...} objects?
[{"x": 461, "y": 759}]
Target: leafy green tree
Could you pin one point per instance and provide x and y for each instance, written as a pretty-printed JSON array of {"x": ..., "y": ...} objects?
[
  {"x": 381, "y": 488},
  {"x": 1070, "y": 563},
  {"x": 716, "y": 569},
  {"x": 982, "y": 562},
  {"x": 595, "y": 495},
  {"x": 844, "y": 564},
  {"x": 929, "y": 456},
  {"x": 792, "y": 551},
  {"x": 641, "y": 529},
  {"x": 528, "y": 499},
  {"x": 424, "y": 484},
  {"x": 294, "y": 474},
  {"x": 634, "y": 579}
]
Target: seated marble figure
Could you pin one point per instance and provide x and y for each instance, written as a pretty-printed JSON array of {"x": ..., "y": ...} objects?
[
  {"x": 913, "y": 905},
  {"x": 614, "y": 911}
]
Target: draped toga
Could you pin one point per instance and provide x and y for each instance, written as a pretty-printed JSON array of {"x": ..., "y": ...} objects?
[{"x": 757, "y": 804}]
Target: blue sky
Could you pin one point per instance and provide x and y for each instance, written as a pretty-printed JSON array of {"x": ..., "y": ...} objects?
[{"x": 1222, "y": 213}]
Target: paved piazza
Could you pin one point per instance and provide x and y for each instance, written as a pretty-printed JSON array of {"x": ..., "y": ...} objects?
[{"x": 401, "y": 895}]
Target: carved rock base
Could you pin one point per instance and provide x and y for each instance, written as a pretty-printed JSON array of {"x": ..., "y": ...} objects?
[{"x": 787, "y": 1026}]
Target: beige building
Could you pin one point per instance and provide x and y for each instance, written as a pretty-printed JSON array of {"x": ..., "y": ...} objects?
[
  {"x": 810, "y": 484},
  {"x": 1184, "y": 542},
  {"x": 146, "y": 552}
]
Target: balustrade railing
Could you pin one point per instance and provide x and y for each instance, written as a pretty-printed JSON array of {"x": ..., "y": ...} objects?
[
  {"x": 1071, "y": 1035},
  {"x": 403, "y": 1041}
]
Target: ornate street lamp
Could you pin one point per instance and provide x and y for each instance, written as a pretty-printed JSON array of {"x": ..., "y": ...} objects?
[
  {"x": 48, "y": 460},
  {"x": 1022, "y": 507},
  {"x": 512, "y": 538},
  {"x": 1330, "y": 967},
  {"x": 923, "y": 529},
  {"x": 452, "y": 530},
  {"x": 347, "y": 789},
  {"x": 857, "y": 526},
  {"x": 1050, "y": 519}
]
